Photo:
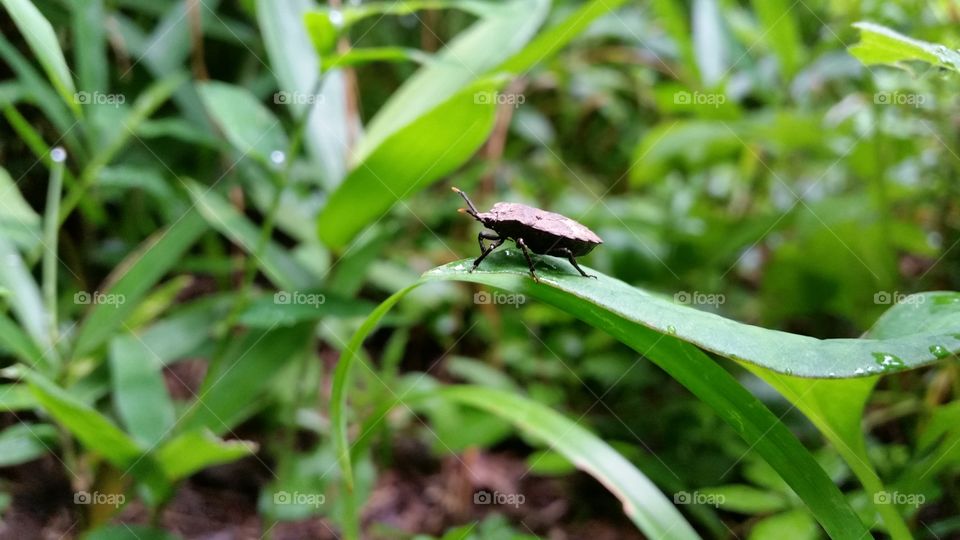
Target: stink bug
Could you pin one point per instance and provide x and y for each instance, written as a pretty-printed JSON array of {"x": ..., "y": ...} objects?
[{"x": 532, "y": 229}]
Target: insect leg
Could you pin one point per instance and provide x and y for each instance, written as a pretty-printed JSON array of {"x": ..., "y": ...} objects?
[
  {"x": 569, "y": 255},
  {"x": 486, "y": 250},
  {"x": 526, "y": 253}
]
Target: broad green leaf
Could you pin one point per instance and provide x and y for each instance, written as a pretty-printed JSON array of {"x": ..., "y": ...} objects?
[
  {"x": 781, "y": 33},
  {"x": 782, "y": 352},
  {"x": 193, "y": 451},
  {"x": 15, "y": 340},
  {"x": 283, "y": 270},
  {"x": 134, "y": 277},
  {"x": 93, "y": 429},
  {"x": 288, "y": 309},
  {"x": 643, "y": 321},
  {"x": 881, "y": 45},
  {"x": 793, "y": 525},
  {"x": 43, "y": 42},
  {"x": 90, "y": 44},
  {"x": 98, "y": 434},
  {"x": 709, "y": 42},
  {"x": 21, "y": 443},
  {"x": 230, "y": 394},
  {"x": 24, "y": 294},
  {"x": 510, "y": 25},
  {"x": 550, "y": 40},
  {"x": 139, "y": 393},
  {"x": 16, "y": 397},
  {"x": 19, "y": 222},
  {"x": 744, "y": 499},
  {"x": 410, "y": 160},
  {"x": 326, "y": 130},
  {"x": 642, "y": 501},
  {"x": 246, "y": 123}
]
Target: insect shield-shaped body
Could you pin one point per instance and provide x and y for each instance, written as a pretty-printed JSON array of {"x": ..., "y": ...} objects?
[{"x": 532, "y": 229}]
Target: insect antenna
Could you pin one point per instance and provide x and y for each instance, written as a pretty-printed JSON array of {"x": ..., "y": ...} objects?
[{"x": 473, "y": 209}]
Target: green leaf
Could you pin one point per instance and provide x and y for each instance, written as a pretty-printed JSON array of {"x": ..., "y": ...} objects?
[
  {"x": 129, "y": 532},
  {"x": 16, "y": 341},
  {"x": 19, "y": 222},
  {"x": 510, "y": 25},
  {"x": 16, "y": 397},
  {"x": 297, "y": 68},
  {"x": 230, "y": 394},
  {"x": 793, "y": 525},
  {"x": 881, "y": 45},
  {"x": 782, "y": 352},
  {"x": 282, "y": 269},
  {"x": 139, "y": 393},
  {"x": 196, "y": 450},
  {"x": 744, "y": 499},
  {"x": 642, "y": 501},
  {"x": 636, "y": 317},
  {"x": 43, "y": 42},
  {"x": 781, "y": 33},
  {"x": 134, "y": 277},
  {"x": 93, "y": 429},
  {"x": 247, "y": 124},
  {"x": 409, "y": 161},
  {"x": 366, "y": 55},
  {"x": 90, "y": 50},
  {"x": 21, "y": 443},
  {"x": 288, "y": 309},
  {"x": 549, "y": 41},
  {"x": 24, "y": 295}
]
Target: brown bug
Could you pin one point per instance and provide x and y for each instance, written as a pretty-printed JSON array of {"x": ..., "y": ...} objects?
[{"x": 532, "y": 229}]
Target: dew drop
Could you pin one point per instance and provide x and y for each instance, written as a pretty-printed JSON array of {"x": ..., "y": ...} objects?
[
  {"x": 939, "y": 351},
  {"x": 336, "y": 17},
  {"x": 671, "y": 329},
  {"x": 887, "y": 361},
  {"x": 277, "y": 157},
  {"x": 858, "y": 371},
  {"x": 58, "y": 154}
]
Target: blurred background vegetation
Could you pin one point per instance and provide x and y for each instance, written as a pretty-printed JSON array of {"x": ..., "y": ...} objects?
[{"x": 228, "y": 218}]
